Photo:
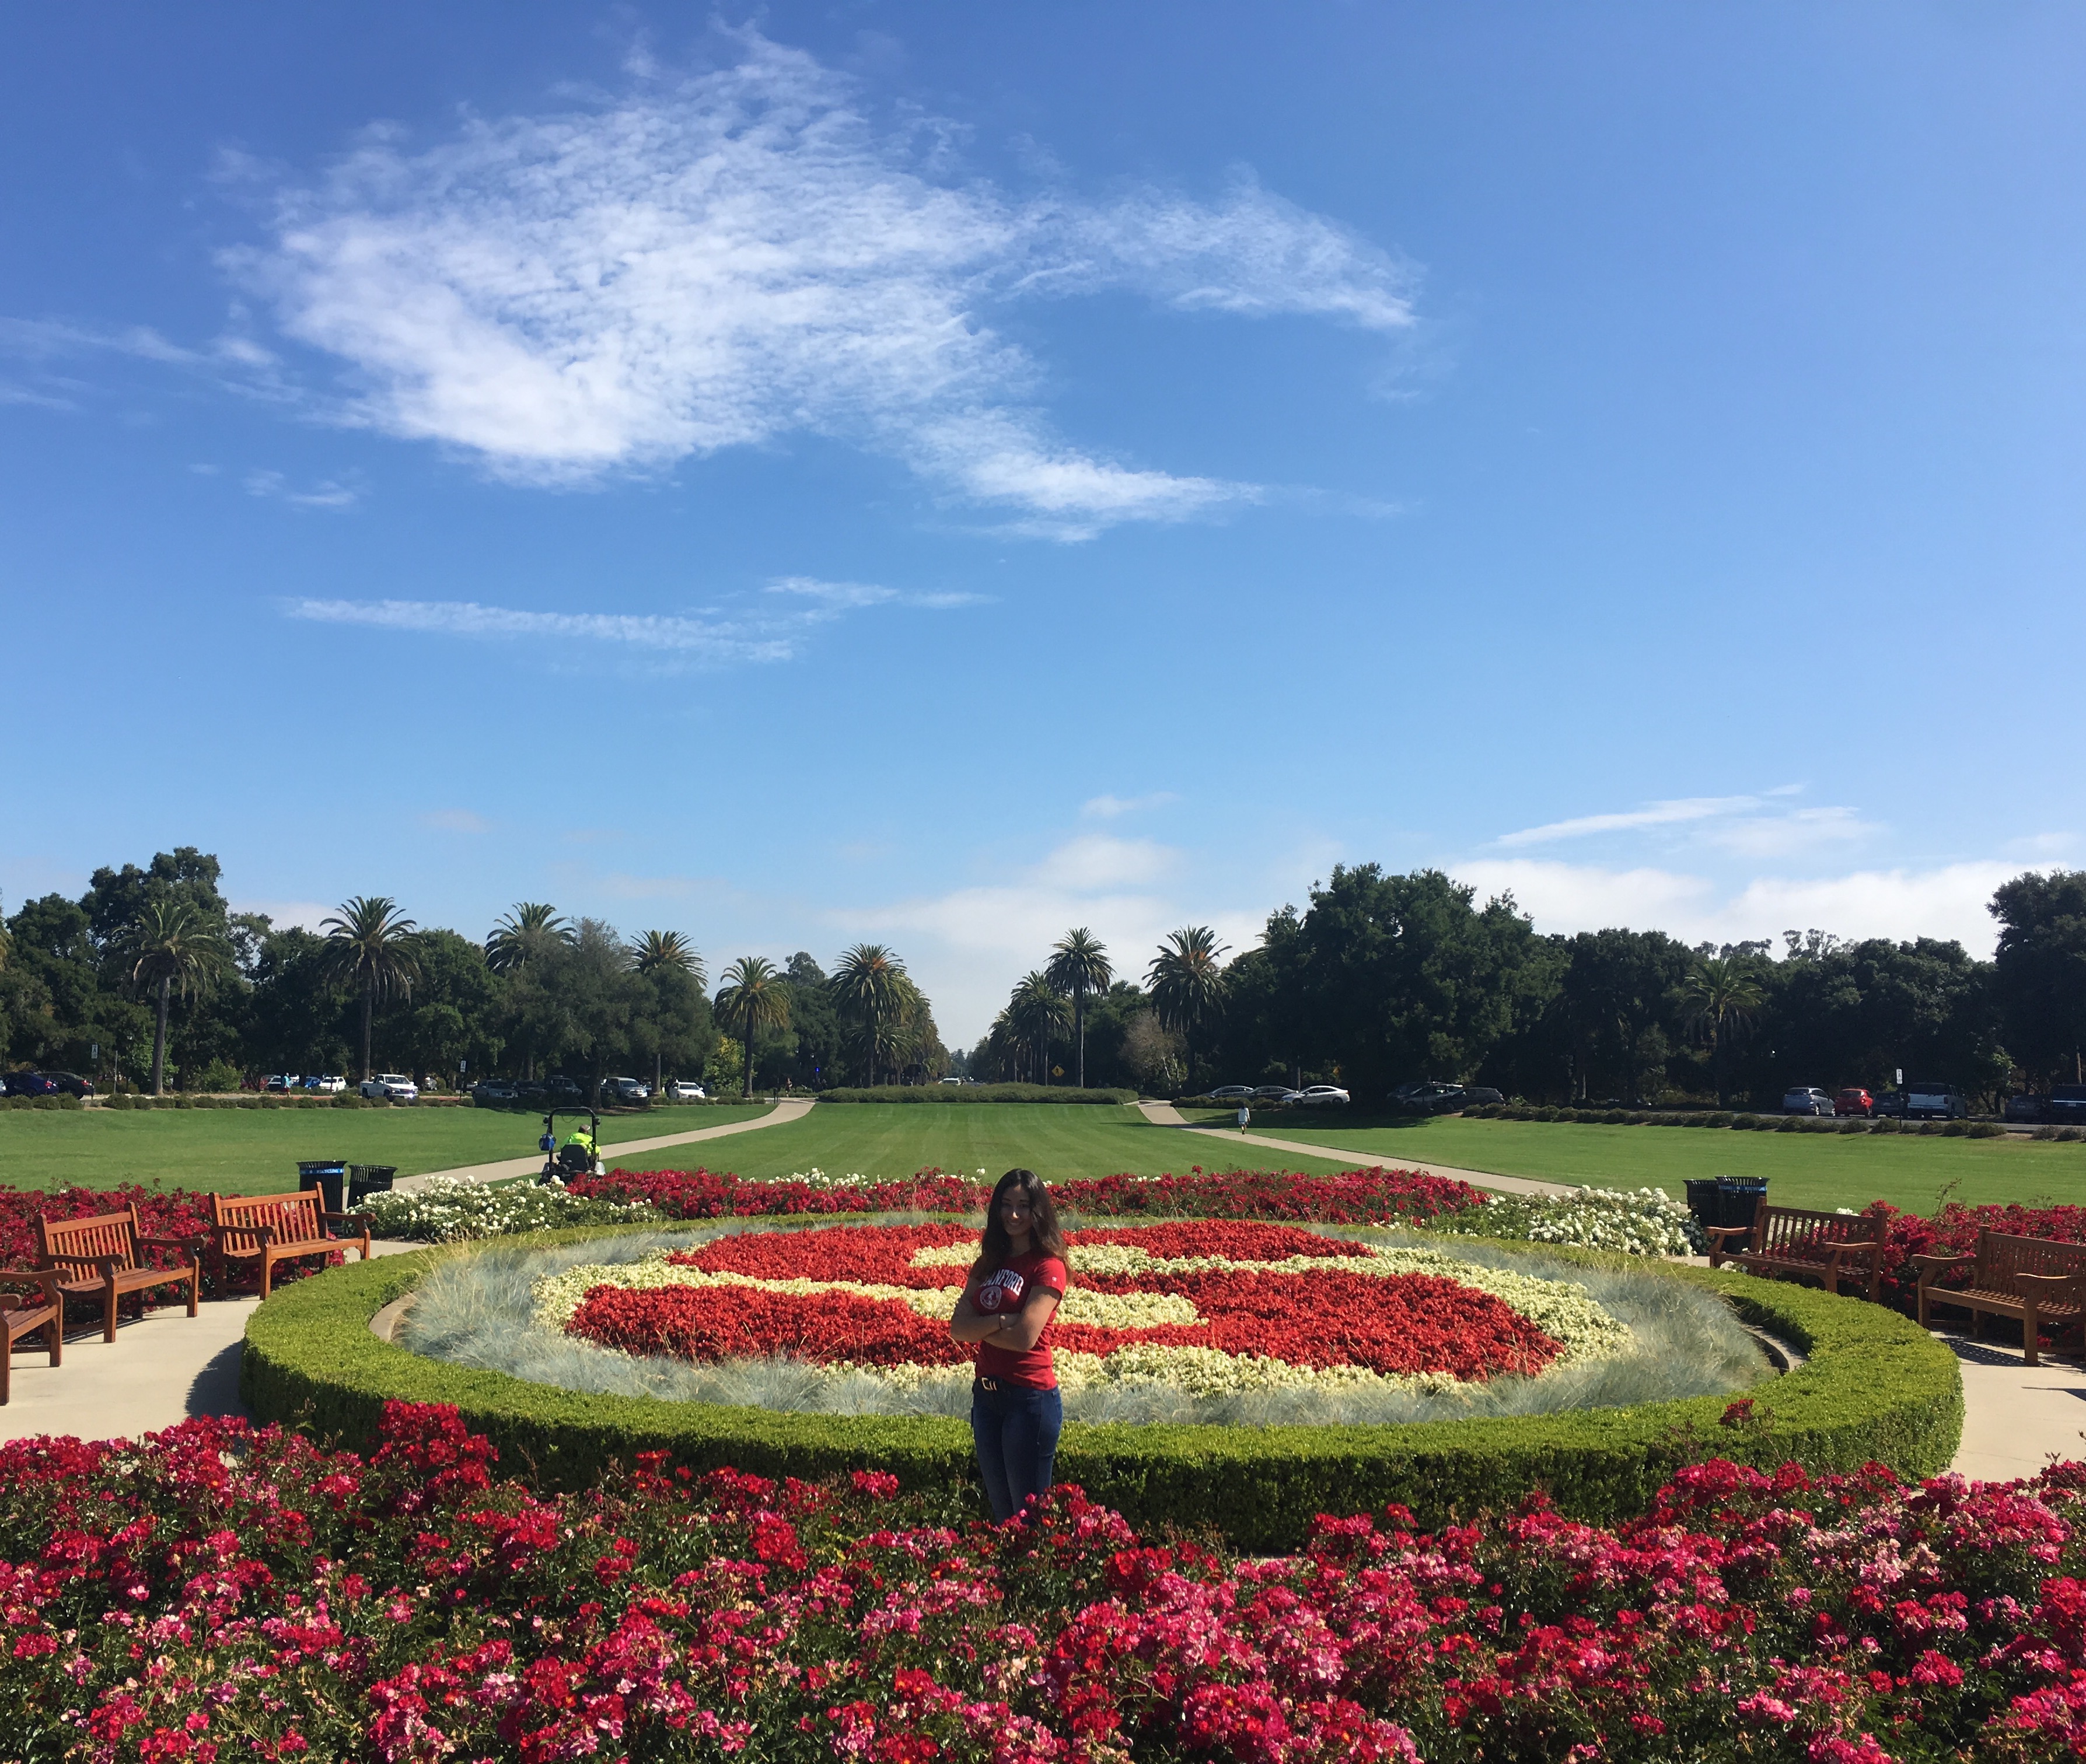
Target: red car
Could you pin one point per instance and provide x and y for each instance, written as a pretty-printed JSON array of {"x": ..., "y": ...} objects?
[{"x": 1853, "y": 1102}]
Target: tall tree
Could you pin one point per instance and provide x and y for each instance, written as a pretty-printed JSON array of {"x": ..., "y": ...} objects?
[
  {"x": 1039, "y": 1013},
  {"x": 1186, "y": 979},
  {"x": 656, "y": 954},
  {"x": 531, "y": 929},
  {"x": 371, "y": 950},
  {"x": 172, "y": 944},
  {"x": 870, "y": 983},
  {"x": 1722, "y": 997},
  {"x": 2040, "y": 971},
  {"x": 1078, "y": 965},
  {"x": 756, "y": 1000}
]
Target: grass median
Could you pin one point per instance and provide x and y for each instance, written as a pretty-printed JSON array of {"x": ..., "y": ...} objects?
[
  {"x": 1814, "y": 1170},
  {"x": 257, "y": 1151}
]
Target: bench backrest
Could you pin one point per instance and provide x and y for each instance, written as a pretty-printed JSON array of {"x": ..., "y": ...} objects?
[
  {"x": 105, "y": 1234},
  {"x": 1796, "y": 1234},
  {"x": 240, "y": 1218},
  {"x": 2000, "y": 1257}
]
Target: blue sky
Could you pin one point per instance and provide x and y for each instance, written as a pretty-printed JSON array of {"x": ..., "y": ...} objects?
[{"x": 943, "y": 475}]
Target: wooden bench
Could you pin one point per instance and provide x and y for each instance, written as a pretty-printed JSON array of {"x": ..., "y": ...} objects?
[
  {"x": 272, "y": 1228},
  {"x": 17, "y": 1319},
  {"x": 1827, "y": 1247},
  {"x": 103, "y": 1255},
  {"x": 2032, "y": 1278}
]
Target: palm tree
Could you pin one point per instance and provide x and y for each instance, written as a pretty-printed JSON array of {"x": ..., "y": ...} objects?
[
  {"x": 172, "y": 944},
  {"x": 1080, "y": 965},
  {"x": 666, "y": 952},
  {"x": 757, "y": 998},
  {"x": 871, "y": 981},
  {"x": 371, "y": 947},
  {"x": 1186, "y": 980},
  {"x": 1722, "y": 997},
  {"x": 1037, "y": 1009},
  {"x": 531, "y": 927}
]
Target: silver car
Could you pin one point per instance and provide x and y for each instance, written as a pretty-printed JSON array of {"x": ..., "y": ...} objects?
[
  {"x": 1321, "y": 1093},
  {"x": 1805, "y": 1099}
]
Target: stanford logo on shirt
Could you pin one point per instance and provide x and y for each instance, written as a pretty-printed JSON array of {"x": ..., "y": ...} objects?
[{"x": 1002, "y": 1291}]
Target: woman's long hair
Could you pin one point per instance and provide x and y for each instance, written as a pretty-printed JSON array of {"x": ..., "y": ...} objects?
[{"x": 1045, "y": 1234}]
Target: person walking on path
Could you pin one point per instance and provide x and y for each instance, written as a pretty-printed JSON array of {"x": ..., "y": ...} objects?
[{"x": 1006, "y": 1308}]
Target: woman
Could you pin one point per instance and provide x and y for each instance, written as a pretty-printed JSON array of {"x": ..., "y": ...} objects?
[{"x": 1006, "y": 1308}]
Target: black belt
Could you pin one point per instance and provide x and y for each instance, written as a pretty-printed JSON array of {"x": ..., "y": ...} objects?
[{"x": 984, "y": 1383}]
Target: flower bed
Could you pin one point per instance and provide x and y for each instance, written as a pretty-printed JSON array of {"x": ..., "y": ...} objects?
[
  {"x": 1206, "y": 1307},
  {"x": 218, "y": 1592},
  {"x": 1874, "y": 1386},
  {"x": 1953, "y": 1231},
  {"x": 1372, "y": 1196},
  {"x": 1642, "y": 1222},
  {"x": 452, "y": 1208}
]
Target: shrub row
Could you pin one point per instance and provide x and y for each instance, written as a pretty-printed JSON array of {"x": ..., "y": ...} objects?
[
  {"x": 973, "y": 1092},
  {"x": 1773, "y": 1123},
  {"x": 346, "y": 1099},
  {"x": 57, "y": 1102},
  {"x": 1874, "y": 1387}
]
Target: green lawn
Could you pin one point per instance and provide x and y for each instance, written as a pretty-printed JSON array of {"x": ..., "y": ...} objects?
[
  {"x": 1060, "y": 1141},
  {"x": 243, "y": 1151},
  {"x": 1821, "y": 1170}
]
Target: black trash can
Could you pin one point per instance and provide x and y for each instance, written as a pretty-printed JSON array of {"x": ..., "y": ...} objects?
[
  {"x": 364, "y": 1180},
  {"x": 1739, "y": 1198},
  {"x": 326, "y": 1175},
  {"x": 1703, "y": 1202}
]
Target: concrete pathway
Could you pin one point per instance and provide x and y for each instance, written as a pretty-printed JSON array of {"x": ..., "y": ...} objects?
[
  {"x": 1165, "y": 1115},
  {"x": 789, "y": 1109},
  {"x": 2016, "y": 1418}
]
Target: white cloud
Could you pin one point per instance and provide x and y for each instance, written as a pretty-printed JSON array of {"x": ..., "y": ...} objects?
[
  {"x": 1784, "y": 835},
  {"x": 762, "y": 635},
  {"x": 1947, "y": 902},
  {"x": 1652, "y": 814},
  {"x": 1107, "y": 808},
  {"x": 455, "y": 821},
  {"x": 728, "y": 259},
  {"x": 1094, "y": 861},
  {"x": 330, "y": 494}
]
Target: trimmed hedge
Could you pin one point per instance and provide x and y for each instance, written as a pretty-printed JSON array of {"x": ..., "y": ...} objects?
[
  {"x": 973, "y": 1092},
  {"x": 1876, "y": 1386}
]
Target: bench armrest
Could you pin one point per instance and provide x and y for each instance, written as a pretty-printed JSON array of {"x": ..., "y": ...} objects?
[
  {"x": 2048, "y": 1280},
  {"x": 1933, "y": 1264},
  {"x": 1722, "y": 1231},
  {"x": 49, "y": 1279}
]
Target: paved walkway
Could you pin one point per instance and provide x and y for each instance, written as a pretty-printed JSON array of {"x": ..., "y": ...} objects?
[
  {"x": 789, "y": 1109},
  {"x": 1165, "y": 1115}
]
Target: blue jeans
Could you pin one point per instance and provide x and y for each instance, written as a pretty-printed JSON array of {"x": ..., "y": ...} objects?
[{"x": 1017, "y": 1429}]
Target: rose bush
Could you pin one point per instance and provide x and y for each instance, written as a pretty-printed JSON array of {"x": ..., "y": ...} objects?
[
  {"x": 218, "y": 1591},
  {"x": 1953, "y": 1231}
]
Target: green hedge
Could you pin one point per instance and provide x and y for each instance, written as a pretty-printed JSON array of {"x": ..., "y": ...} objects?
[
  {"x": 974, "y": 1093},
  {"x": 1876, "y": 1386}
]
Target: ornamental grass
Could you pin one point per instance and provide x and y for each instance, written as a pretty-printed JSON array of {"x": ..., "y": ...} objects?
[{"x": 220, "y": 1592}]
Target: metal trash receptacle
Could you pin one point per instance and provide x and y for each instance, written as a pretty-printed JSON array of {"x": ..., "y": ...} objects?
[
  {"x": 1739, "y": 1199},
  {"x": 326, "y": 1174},
  {"x": 364, "y": 1180},
  {"x": 1704, "y": 1202}
]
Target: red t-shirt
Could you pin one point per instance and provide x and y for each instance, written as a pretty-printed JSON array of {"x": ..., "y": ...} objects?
[{"x": 1007, "y": 1289}]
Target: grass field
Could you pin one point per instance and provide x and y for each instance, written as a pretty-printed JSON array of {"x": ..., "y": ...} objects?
[
  {"x": 1820, "y": 1169},
  {"x": 241, "y": 1151},
  {"x": 1059, "y": 1141}
]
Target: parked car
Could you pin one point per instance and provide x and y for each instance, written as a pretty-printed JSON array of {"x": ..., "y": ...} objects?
[
  {"x": 1475, "y": 1093},
  {"x": 489, "y": 1091},
  {"x": 1933, "y": 1100},
  {"x": 280, "y": 1081},
  {"x": 1803, "y": 1099},
  {"x": 1275, "y": 1093},
  {"x": 557, "y": 1084},
  {"x": 2066, "y": 1104},
  {"x": 1231, "y": 1093},
  {"x": 626, "y": 1090},
  {"x": 1888, "y": 1102},
  {"x": 2025, "y": 1107},
  {"x": 326, "y": 1084},
  {"x": 71, "y": 1083},
  {"x": 30, "y": 1084},
  {"x": 1853, "y": 1100},
  {"x": 687, "y": 1090},
  {"x": 1316, "y": 1094},
  {"x": 394, "y": 1085}
]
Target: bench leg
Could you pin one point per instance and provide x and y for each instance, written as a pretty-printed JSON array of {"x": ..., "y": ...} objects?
[
  {"x": 109, "y": 1311},
  {"x": 195, "y": 1288},
  {"x": 267, "y": 1274},
  {"x": 1976, "y": 1324},
  {"x": 2030, "y": 1330},
  {"x": 54, "y": 1333}
]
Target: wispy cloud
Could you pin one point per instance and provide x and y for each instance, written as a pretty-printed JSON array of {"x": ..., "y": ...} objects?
[
  {"x": 763, "y": 634},
  {"x": 1106, "y": 808},
  {"x": 1651, "y": 814},
  {"x": 455, "y": 821},
  {"x": 329, "y": 493},
  {"x": 725, "y": 260},
  {"x": 1762, "y": 826}
]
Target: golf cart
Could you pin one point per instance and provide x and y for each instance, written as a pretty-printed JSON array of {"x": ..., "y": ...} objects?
[{"x": 562, "y": 1163}]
